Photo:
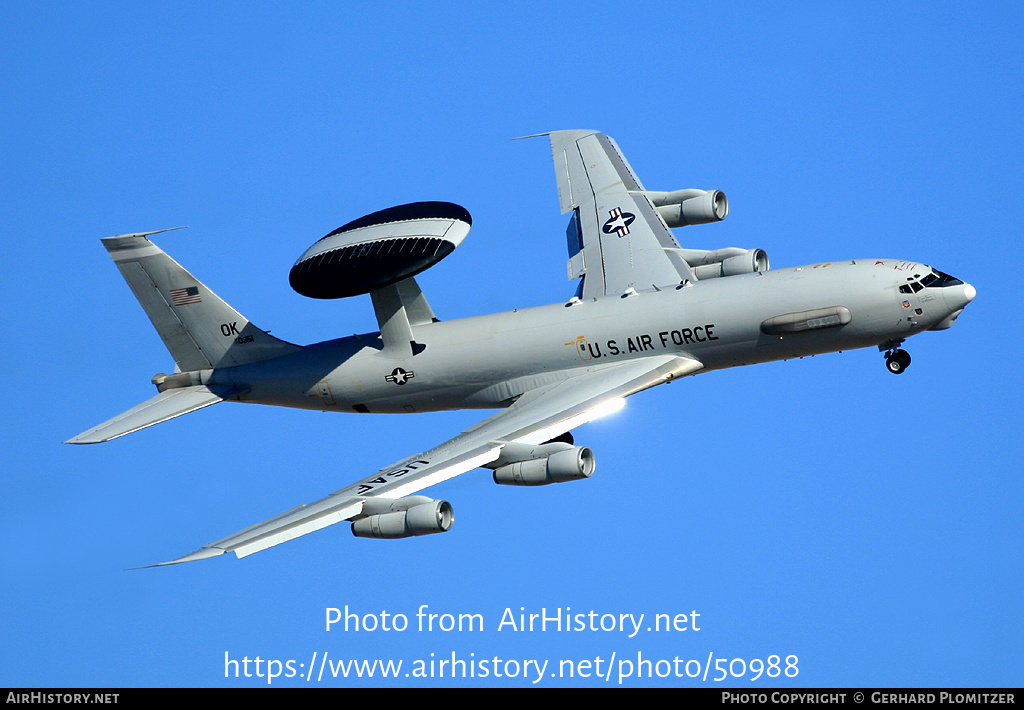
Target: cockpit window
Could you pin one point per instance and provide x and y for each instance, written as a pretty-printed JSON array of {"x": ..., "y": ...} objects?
[{"x": 937, "y": 279}]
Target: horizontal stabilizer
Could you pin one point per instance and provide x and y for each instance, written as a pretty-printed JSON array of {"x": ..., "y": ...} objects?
[{"x": 166, "y": 405}]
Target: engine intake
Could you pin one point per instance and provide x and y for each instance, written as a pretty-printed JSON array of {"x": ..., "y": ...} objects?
[
  {"x": 543, "y": 465},
  {"x": 684, "y": 207},
  {"x": 731, "y": 261},
  {"x": 403, "y": 517}
]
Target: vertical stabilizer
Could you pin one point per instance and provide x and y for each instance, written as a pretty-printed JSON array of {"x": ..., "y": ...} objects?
[{"x": 199, "y": 329}]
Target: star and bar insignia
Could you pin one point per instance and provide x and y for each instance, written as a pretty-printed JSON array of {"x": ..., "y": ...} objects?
[
  {"x": 400, "y": 376},
  {"x": 618, "y": 222}
]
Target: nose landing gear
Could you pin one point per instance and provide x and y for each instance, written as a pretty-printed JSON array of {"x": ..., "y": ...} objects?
[{"x": 896, "y": 360}]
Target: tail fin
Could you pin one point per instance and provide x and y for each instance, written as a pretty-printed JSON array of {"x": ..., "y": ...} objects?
[{"x": 199, "y": 329}]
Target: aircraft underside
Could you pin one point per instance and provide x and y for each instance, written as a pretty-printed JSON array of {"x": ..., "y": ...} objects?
[{"x": 646, "y": 312}]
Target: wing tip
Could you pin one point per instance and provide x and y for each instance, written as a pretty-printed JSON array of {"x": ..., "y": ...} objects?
[
  {"x": 200, "y": 554},
  {"x": 573, "y": 133},
  {"x": 143, "y": 234}
]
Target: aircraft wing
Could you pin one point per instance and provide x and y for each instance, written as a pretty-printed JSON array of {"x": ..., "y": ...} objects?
[
  {"x": 617, "y": 239},
  {"x": 537, "y": 416}
]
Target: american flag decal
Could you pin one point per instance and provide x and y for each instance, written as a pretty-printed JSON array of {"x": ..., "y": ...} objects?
[{"x": 184, "y": 296}]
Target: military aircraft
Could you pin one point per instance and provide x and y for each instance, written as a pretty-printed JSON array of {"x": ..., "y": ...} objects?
[{"x": 647, "y": 311}]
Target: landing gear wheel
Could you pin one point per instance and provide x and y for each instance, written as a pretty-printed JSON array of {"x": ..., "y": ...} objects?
[{"x": 898, "y": 361}]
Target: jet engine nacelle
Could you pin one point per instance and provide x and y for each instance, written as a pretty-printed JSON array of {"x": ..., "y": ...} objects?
[
  {"x": 544, "y": 464},
  {"x": 715, "y": 263},
  {"x": 403, "y": 517},
  {"x": 684, "y": 207}
]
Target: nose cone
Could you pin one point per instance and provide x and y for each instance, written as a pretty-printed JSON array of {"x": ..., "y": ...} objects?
[{"x": 959, "y": 296}]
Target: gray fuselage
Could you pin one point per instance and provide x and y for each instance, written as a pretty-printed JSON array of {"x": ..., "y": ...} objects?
[{"x": 488, "y": 361}]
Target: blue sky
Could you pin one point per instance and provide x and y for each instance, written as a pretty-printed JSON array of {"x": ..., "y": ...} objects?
[{"x": 867, "y": 524}]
